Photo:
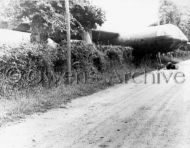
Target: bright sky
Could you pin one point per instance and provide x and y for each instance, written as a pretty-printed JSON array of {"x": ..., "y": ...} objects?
[{"x": 128, "y": 15}]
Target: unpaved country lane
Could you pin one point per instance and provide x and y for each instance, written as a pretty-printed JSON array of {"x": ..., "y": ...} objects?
[{"x": 127, "y": 116}]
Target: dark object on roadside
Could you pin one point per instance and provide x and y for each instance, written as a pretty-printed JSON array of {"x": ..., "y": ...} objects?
[{"x": 170, "y": 65}]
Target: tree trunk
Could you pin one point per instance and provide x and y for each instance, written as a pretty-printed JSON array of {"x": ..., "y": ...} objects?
[
  {"x": 39, "y": 31},
  {"x": 87, "y": 37}
]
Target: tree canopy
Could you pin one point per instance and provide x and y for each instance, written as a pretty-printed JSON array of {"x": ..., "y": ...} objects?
[
  {"x": 84, "y": 15},
  {"x": 170, "y": 12}
]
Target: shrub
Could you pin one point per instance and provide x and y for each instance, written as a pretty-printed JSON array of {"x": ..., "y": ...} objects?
[
  {"x": 34, "y": 64},
  {"x": 84, "y": 56},
  {"x": 31, "y": 65},
  {"x": 116, "y": 54},
  {"x": 27, "y": 65}
]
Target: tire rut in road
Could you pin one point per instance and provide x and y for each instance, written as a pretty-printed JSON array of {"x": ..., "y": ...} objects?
[
  {"x": 141, "y": 122},
  {"x": 159, "y": 129},
  {"x": 94, "y": 137}
]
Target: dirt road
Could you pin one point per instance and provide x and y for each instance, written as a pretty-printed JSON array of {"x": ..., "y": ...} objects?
[{"x": 127, "y": 116}]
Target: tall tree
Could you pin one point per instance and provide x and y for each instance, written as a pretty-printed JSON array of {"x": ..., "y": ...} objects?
[
  {"x": 169, "y": 13},
  {"x": 89, "y": 17},
  {"x": 52, "y": 16}
]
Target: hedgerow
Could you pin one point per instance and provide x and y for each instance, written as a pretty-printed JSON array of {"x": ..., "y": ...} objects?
[
  {"x": 116, "y": 54},
  {"x": 32, "y": 65},
  {"x": 27, "y": 65}
]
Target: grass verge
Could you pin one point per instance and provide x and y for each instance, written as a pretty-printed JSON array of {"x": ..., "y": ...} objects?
[{"x": 18, "y": 104}]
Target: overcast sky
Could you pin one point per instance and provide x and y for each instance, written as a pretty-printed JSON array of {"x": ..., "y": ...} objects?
[{"x": 128, "y": 15}]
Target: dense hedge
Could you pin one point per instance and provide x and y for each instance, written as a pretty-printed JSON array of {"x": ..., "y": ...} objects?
[
  {"x": 32, "y": 65},
  {"x": 116, "y": 54},
  {"x": 27, "y": 65}
]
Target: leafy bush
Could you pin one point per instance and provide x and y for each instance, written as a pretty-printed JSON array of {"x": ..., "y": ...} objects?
[
  {"x": 27, "y": 65},
  {"x": 116, "y": 54},
  {"x": 84, "y": 56},
  {"x": 31, "y": 65}
]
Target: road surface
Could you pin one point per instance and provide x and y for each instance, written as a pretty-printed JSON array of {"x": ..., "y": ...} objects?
[{"x": 125, "y": 116}]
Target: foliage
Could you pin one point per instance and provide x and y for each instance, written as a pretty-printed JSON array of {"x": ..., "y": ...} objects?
[
  {"x": 83, "y": 56},
  {"x": 31, "y": 65},
  {"x": 28, "y": 65},
  {"x": 169, "y": 13},
  {"x": 83, "y": 15},
  {"x": 89, "y": 16},
  {"x": 116, "y": 54}
]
